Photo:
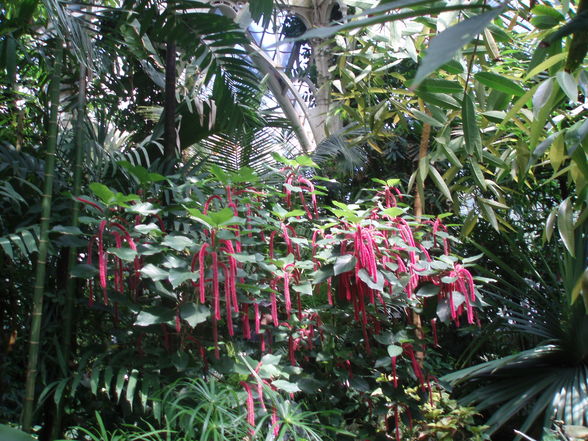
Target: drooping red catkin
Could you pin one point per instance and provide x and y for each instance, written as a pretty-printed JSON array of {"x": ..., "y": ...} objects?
[
  {"x": 86, "y": 201},
  {"x": 249, "y": 405},
  {"x": 310, "y": 186},
  {"x": 245, "y": 320},
  {"x": 215, "y": 286},
  {"x": 229, "y": 191},
  {"x": 329, "y": 291},
  {"x": 178, "y": 321},
  {"x": 415, "y": 365},
  {"x": 202, "y": 281},
  {"x": 232, "y": 277},
  {"x": 208, "y": 202},
  {"x": 291, "y": 350},
  {"x": 394, "y": 375},
  {"x": 288, "y": 191},
  {"x": 287, "y": 299},
  {"x": 228, "y": 311},
  {"x": 257, "y": 318},
  {"x": 118, "y": 265},
  {"x": 102, "y": 260},
  {"x": 286, "y": 238},
  {"x": 260, "y": 394},
  {"x": 275, "y": 425},
  {"x": 128, "y": 237}
]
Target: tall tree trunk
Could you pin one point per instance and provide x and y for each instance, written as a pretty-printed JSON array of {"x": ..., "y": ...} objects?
[
  {"x": 71, "y": 284},
  {"x": 38, "y": 291}
]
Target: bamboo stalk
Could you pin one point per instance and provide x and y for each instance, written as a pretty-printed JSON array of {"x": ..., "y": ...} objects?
[
  {"x": 70, "y": 287},
  {"x": 39, "y": 288}
]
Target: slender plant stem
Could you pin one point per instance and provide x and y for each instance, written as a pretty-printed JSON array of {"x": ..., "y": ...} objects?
[
  {"x": 418, "y": 212},
  {"x": 38, "y": 291}
]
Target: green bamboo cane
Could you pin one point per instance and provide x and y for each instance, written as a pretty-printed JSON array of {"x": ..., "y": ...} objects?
[
  {"x": 70, "y": 287},
  {"x": 38, "y": 291}
]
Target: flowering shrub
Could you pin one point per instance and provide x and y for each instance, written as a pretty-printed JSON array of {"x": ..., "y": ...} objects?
[{"x": 319, "y": 300}]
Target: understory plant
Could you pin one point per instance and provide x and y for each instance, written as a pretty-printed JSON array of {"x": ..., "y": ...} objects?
[{"x": 252, "y": 282}]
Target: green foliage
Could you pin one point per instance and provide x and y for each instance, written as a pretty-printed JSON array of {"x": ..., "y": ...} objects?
[{"x": 444, "y": 419}]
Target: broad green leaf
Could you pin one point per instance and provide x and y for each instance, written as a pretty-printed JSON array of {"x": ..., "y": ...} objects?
[
  {"x": 105, "y": 194},
  {"x": 517, "y": 106},
  {"x": 126, "y": 254},
  {"x": 495, "y": 116},
  {"x": 322, "y": 274},
  {"x": 148, "y": 228},
  {"x": 95, "y": 379},
  {"x": 500, "y": 83},
  {"x": 66, "y": 230},
  {"x": 131, "y": 385},
  {"x": 543, "y": 101},
  {"x": 59, "y": 390},
  {"x": 295, "y": 213},
  {"x": 385, "y": 338},
  {"x": 154, "y": 316},
  {"x": 478, "y": 174},
  {"x": 178, "y": 243},
  {"x": 120, "y": 382},
  {"x": 303, "y": 288},
  {"x": 470, "y": 222},
  {"x": 305, "y": 161},
  {"x": 219, "y": 174},
  {"x": 557, "y": 152},
  {"x": 378, "y": 284},
  {"x": 177, "y": 277},
  {"x": 84, "y": 271},
  {"x": 435, "y": 85},
  {"x": 471, "y": 132},
  {"x": 450, "y": 155},
  {"x": 395, "y": 350},
  {"x": 393, "y": 211},
  {"x": 194, "y": 314},
  {"x": 549, "y": 225},
  {"x": 153, "y": 272},
  {"x": 542, "y": 95},
  {"x": 568, "y": 84},
  {"x": 427, "y": 119},
  {"x": 244, "y": 258},
  {"x": 8, "y": 433},
  {"x": 545, "y": 65},
  {"x": 222, "y": 217},
  {"x": 442, "y": 100},
  {"x": 201, "y": 217},
  {"x": 445, "y": 45},
  {"x": 244, "y": 174},
  {"x": 490, "y": 215},
  {"x": 565, "y": 225},
  {"x": 343, "y": 264},
  {"x": 144, "y": 209},
  {"x": 428, "y": 290},
  {"x": 439, "y": 182},
  {"x": 108, "y": 376},
  {"x": 286, "y": 386}
]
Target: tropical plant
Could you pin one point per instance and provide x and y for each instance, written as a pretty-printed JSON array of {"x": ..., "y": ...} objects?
[{"x": 544, "y": 382}]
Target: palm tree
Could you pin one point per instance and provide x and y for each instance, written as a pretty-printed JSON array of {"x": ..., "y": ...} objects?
[{"x": 548, "y": 381}]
